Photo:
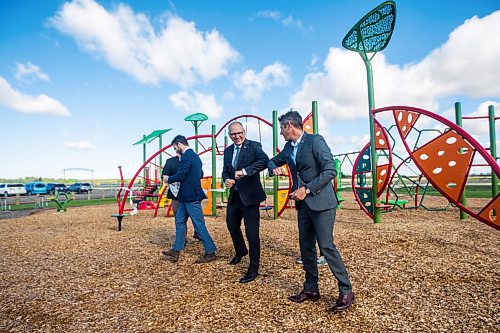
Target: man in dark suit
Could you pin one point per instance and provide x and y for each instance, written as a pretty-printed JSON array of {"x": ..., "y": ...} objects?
[
  {"x": 190, "y": 196},
  {"x": 243, "y": 160},
  {"x": 313, "y": 169}
]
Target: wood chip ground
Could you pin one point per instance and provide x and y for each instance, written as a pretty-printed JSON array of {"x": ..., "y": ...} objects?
[{"x": 418, "y": 271}]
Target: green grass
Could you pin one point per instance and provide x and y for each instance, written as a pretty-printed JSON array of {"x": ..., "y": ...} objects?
[{"x": 472, "y": 192}]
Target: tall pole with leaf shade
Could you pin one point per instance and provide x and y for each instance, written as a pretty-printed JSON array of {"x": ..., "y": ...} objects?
[
  {"x": 196, "y": 119},
  {"x": 370, "y": 35}
]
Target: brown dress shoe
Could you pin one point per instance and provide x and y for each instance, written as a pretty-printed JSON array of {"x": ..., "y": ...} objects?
[
  {"x": 344, "y": 302},
  {"x": 172, "y": 255},
  {"x": 305, "y": 296},
  {"x": 206, "y": 258}
]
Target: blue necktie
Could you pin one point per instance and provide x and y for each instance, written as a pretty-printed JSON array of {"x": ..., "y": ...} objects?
[
  {"x": 236, "y": 156},
  {"x": 294, "y": 152}
]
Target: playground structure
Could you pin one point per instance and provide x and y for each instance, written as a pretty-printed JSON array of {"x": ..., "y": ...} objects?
[
  {"x": 444, "y": 158},
  {"x": 370, "y": 35},
  {"x": 405, "y": 185},
  {"x": 147, "y": 179},
  {"x": 400, "y": 185},
  {"x": 394, "y": 170},
  {"x": 61, "y": 199}
]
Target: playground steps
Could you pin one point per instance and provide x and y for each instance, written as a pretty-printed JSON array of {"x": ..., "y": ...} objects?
[{"x": 148, "y": 192}]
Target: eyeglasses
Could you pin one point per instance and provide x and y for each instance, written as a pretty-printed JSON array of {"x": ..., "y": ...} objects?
[{"x": 236, "y": 134}]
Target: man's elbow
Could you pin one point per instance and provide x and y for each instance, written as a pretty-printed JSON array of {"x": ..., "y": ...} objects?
[{"x": 330, "y": 174}]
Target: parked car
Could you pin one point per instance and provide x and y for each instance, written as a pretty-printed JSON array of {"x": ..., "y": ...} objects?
[
  {"x": 7, "y": 189},
  {"x": 80, "y": 187},
  {"x": 36, "y": 188},
  {"x": 59, "y": 187}
]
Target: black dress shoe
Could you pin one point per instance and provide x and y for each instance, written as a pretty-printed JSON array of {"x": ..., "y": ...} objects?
[
  {"x": 249, "y": 277},
  {"x": 344, "y": 302},
  {"x": 235, "y": 260},
  {"x": 305, "y": 296}
]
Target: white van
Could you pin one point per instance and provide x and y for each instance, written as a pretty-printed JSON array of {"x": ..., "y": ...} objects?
[{"x": 7, "y": 189}]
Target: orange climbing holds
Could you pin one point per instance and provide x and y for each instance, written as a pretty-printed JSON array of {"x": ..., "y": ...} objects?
[{"x": 446, "y": 161}]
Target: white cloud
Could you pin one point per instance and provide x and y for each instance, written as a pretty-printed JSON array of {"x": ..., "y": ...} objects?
[
  {"x": 41, "y": 104},
  {"x": 197, "y": 102},
  {"x": 467, "y": 64},
  {"x": 254, "y": 84},
  {"x": 270, "y": 14},
  {"x": 82, "y": 145},
  {"x": 288, "y": 21},
  {"x": 29, "y": 72},
  {"x": 314, "y": 62},
  {"x": 178, "y": 52}
]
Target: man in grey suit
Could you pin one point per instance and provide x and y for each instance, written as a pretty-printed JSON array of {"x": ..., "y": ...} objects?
[{"x": 312, "y": 169}]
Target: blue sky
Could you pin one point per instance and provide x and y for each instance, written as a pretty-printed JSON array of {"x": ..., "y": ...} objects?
[{"x": 81, "y": 81}]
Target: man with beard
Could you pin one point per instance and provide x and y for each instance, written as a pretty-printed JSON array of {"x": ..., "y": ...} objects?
[{"x": 190, "y": 196}]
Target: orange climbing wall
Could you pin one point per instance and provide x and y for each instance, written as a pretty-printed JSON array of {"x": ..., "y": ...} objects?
[
  {"x": 446, "y": 161},
  {"x": 405, "y": 120}
]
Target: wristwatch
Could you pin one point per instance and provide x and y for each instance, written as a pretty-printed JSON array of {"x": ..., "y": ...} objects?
[{"x": 308, "y": 191}]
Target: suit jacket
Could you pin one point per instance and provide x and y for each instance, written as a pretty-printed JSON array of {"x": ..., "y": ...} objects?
[
  {"x": 253, "y": 159},
  {"x": 170, "y": 168},
  {"x": 314, "y": 168},
  {"x": 189, "y": 174}
]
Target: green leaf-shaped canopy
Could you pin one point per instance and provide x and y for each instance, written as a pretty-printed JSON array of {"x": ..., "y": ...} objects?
[
  {"x": 153, "y": 135},
  {"x": 196, "y": 117},
  {"x": 373, "y": 32}
]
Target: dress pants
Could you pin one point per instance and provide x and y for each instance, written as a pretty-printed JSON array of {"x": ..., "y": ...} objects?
[
  {"x": 236, "y": 211},
  {"x": 318, "y": 225}
]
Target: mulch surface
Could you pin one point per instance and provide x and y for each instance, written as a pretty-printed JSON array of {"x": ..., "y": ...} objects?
[{"x": 418, "y": 271}]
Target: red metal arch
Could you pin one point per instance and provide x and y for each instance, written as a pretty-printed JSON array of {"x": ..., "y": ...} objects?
[
  {"x": 406, "y": 117},
  {"x": 122, "y": 201},
  {"x": 383, "y": 171}
]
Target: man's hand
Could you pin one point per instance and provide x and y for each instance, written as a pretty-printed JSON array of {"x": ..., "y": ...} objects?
[
  {"x": 279, "y": 171},
  {"x": 299, "y": 194},
  {"x": 239, "y": 174},
  {"x": 165, "y": 180},
  {"x": 229, "y": 183}
]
